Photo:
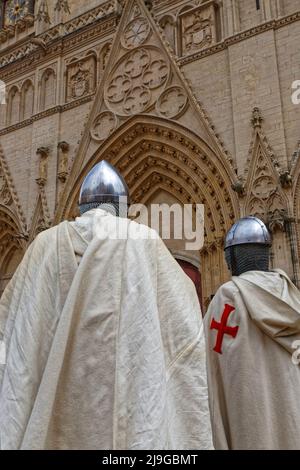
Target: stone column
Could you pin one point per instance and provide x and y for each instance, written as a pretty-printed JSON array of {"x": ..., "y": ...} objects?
[
  {"x": 267, "y": 10},
  {"x": 231, "y": 13}
]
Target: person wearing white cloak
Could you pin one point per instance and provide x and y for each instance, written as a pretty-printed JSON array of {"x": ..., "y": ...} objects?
[
  {"x": 253, "y": 331},
  {"x": 104, "y": 342}
]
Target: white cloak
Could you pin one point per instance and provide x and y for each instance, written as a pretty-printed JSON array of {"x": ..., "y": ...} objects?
[
  {"x": 104, "y": 344},
  {"x": 254, "y": 384}
]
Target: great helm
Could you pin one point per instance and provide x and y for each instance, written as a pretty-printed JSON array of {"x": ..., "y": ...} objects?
[
  {"x": 248, "y": 230},
  {"x": 247, "y": 246},
  {"x": 103, "y": 184}
]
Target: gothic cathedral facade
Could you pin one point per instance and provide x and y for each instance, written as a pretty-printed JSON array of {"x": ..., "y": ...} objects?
[{"x": 192, "y": 100}]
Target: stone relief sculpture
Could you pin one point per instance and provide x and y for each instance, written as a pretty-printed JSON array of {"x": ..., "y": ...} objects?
[
  {"x": 81, "y": 77},
  {"x": 198, "y": 28}
]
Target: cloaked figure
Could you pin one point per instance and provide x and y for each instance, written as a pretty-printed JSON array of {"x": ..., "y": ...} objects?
[
  {"x": 103, "y": 335},
  {"x": 253, "y": 348}
]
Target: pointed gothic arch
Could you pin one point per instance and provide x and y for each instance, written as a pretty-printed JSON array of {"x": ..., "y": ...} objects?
[
  {"x": 296, "y": 206},
  {"x": 267, "y": 198},
  {"x": 47, "y": 89},
  {"x": 27, "y": 100},
  {"x": 12, "y": 245},
  {"x": 158, "y": 154},
  {"x": 13, "y": 106}
]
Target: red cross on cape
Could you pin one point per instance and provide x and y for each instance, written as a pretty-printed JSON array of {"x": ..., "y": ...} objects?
[{"x": 223, "y": 328}]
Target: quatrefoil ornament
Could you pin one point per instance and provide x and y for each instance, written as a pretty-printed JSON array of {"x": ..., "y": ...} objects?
[{"x": 137, "y": 81}]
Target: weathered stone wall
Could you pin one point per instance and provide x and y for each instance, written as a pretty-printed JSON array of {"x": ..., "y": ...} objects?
[{"x": 228, "y": 71}]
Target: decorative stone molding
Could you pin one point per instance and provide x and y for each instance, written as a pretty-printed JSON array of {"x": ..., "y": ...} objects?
[
  {"x": 63, "y": 160},
  {"x": 149, "y": 4},
  {"x": 265, "y": 198},
  {"x": 239, "y": 187},
  {"x": 8, "y": 32},
  {"x": 256, "y": 119},
  {"x": 43, "y": 153},
  {"x": 81, "y": 77},
  {"x": 101, "y": 20},
  {"x": 135, "y": 33},
  {"x": 41, "y": 218},
  {"x": 274, "y": 24},
  {"x": 106, "y": 9},
  {"x": 9, "y": 193},
  {"x": 286, "y": 179},
  {"x": 151, "y": 156},
  {"x": 5, "y": 195},
  {"x": 136, "y": 81},
  {"x": 172, "y": 102},
  {"x": 12, "y": 241},
  {"x": 62, "y": 5},
  {"x": 295, "y": 159},
  {"x": 276, "y": 220},
  {"x": 198, "y": 28},
  {"x": 104, "y": 124},
  {"x": 46, "y": 113},
  {"x": 43, "y": 13}
]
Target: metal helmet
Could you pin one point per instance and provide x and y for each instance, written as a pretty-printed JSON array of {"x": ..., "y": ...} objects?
[
  {"x": 248, "y": 230},
  {"x": 247, "y": 246},
  {"x": 104, "y": 186}
]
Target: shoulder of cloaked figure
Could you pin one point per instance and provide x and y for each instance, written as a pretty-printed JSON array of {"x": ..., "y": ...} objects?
[
  {"x": 144, "y": 231},
  {"x": 225, "y": 293}
]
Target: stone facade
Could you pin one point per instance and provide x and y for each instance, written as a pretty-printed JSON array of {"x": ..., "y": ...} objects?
[{"x": 191, "y": 100}]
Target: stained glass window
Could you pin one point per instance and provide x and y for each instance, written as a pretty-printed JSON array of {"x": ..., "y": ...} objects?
[{"x": 14, "y": 10}]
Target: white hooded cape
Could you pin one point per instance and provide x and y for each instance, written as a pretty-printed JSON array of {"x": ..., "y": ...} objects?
[
  {"x": 104, "y": 344},
  {"x": 254, "y": 385}
]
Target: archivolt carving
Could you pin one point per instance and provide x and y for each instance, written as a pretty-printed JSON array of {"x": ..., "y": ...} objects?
[
  {"x": 155, "y": 155},
  {"x": 148, "y": 152}
]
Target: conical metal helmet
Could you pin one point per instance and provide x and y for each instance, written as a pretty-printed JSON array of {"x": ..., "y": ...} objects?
[
  {"x": 248, "y": 230},
  {"x": 104, "y": 184}
]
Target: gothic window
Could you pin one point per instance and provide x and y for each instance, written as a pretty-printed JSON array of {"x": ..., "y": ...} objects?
[
  {"x": 12, "y": 11},
  {"x": 47, "y": 89},
  {"x": 27, "y": 98},
  {"x": 13, "y": 106}
]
